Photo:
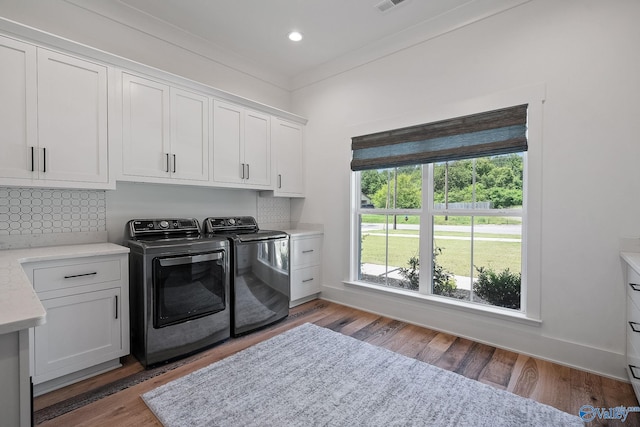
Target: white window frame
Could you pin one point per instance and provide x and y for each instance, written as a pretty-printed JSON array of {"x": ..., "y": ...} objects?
[
  {"x": 530, "y": 312},
  {"x": 425, "y": 282}
]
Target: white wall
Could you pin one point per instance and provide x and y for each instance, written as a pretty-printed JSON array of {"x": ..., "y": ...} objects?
[{"x": 585, "y": 53}]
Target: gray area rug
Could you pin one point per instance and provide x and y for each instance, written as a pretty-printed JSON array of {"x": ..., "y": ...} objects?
[{"x": 310, "y": 375}]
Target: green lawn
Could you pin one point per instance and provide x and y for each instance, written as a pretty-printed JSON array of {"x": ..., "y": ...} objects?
[{"x": 455, "y": 255}]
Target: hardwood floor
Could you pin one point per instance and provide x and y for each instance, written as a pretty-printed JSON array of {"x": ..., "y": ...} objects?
[{"x": 562, "y": 387}]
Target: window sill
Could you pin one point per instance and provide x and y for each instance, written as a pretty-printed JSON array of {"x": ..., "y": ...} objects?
[{"x": 480, "y": 309}]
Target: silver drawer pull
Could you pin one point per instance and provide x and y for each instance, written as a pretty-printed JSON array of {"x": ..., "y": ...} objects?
[
  {"x": 633, "y": 374},
  {"x": 81, "y": 275},
  {"x": 633, "y": 326},
  {"x": 308, "y": 280},
  {"x": 311, "y": 250},
  {"x": 635, "y": 286}
]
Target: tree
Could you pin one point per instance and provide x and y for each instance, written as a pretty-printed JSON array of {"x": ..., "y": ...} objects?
[
  {"x": 409, "y": 193},
  {"x": 371, "y": 181},
  {"x": 498, "y": 180}
]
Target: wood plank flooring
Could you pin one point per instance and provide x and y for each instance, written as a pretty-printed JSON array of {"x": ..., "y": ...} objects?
[{"x": 559, "y": 386}]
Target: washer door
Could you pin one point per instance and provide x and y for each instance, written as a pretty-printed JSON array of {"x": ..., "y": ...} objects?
[{"x": 188, "y": 287}]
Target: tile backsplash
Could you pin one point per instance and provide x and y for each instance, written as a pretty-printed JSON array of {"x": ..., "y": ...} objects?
[
  {"x": 29, "y": 211},
  {"x": 274, "y": 212},
  {"x": 41, "y": 211}
]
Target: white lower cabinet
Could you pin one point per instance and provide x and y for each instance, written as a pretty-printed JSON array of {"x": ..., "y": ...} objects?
[
  {"x": 64, "y": 343},
  {"x": 306, "y": 267},
  {"x": 87, "y": 327},
  {"x": 633, "y": 323}
]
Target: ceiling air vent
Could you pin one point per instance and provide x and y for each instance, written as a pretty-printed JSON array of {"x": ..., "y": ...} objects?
[{"x": 385, "y": 5}]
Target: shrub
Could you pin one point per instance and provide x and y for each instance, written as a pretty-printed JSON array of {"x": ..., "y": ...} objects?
[
  {"x": 443, "y": 280},
  {"x": 501, "y": 289},
  {"x": 412, "y": 274}
]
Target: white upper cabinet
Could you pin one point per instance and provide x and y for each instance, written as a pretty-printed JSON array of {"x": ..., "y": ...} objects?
[
  {"x": 18, "y": 109},
  {"x": 53, "y": 119},
  {"x": 189, "y": 135},
  {"x": 145, "y": 127},
  {"x": 72, "y": 118},
  {"x": 241, "y": 146},
  {"x": 70, "y": 121},
  {"x": 165, "y": 131},
  {"x": 287, "y": 139}
]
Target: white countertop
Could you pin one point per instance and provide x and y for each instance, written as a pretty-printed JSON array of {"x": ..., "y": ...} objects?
[
  {"x": 633, "y": 259},
  {"x": 304, "y": 232},
  {"x": 20, "y": 307}
]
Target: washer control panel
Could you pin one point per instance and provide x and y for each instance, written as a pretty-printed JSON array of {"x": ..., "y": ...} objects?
[
  {"x": 227, "y": 224},
  {"x": 147, "y": 226}
]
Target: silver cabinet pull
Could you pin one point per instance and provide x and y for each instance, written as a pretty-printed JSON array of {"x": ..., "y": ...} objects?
[
  {"x": 247, "y": 170},
  {"x": 167, "y": 159},
  {"x": 307, "y": 280},
  {"x": 635, "y": 286},
  {"x": 33, "y": 159},
  {"x": 116, "y": 306},
  {"x": 81, "y": 275},
  {"x": 174, "y": 163},
  {"x": 241, "y": 170},
  {"x": 633, "y": 326},
  {"x": 279, "y": 181},
  {"x": 308, "y": 251},
  {"x": 44, "y": 160}
]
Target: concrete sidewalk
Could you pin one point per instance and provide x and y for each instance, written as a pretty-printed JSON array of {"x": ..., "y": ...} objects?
[{"x": 462, "y": 282}]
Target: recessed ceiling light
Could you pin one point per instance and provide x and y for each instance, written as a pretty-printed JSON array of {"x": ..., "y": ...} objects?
[{"x": 295, "y": 36}]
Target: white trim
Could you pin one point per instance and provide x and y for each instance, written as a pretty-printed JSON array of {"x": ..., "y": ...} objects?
[
  {"x": 27, "y": 34},
  {"x": 534, "y": 96},
  {"x": 469, "y": 307}
]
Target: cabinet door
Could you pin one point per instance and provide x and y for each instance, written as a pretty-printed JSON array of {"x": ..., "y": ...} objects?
[
  {"x": 72, "y": 118},
  {"x": 228, "y": 135},
  {"x": 189, "y": 135},
  {"x": 18, "y": 131},
  {"x": 145, "y": 127},
  {"x": 64, "y": 345},
  {"x": 288, "y": 145},
  {"x": 257, "y": 149}
]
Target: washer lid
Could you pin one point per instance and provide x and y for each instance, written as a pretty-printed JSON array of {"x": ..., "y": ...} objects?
[{"x": 178, "y": 244}]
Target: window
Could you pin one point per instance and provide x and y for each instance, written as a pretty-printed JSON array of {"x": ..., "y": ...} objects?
[{"x": 447, "y": 195}]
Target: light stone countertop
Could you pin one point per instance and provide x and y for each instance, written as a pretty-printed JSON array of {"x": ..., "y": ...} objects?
[
  {"x": 20, "y": 307},
  {"x": 304, "y": 232},
  {"x": 633, "y": 259}
]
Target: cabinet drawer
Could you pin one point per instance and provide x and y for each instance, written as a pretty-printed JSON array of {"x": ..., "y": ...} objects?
[
  {"x": 633, "y": 285},
  {"x": 306, "y": 252},
  {"x": 51, "y": 278},
  {"x": 305, "y": 282},
  {"x": 633, "y": 325}
]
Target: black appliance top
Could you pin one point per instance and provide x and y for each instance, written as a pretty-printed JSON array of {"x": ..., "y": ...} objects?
[
  {"x": 182, "y": 235},
  {"x": 162, "y": 228},
  {"x": 241, "y": 228},
  {"x": 228, "y": 225}
]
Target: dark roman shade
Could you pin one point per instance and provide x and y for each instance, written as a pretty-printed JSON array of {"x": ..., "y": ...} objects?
[{"x": 478, "y": 135}]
